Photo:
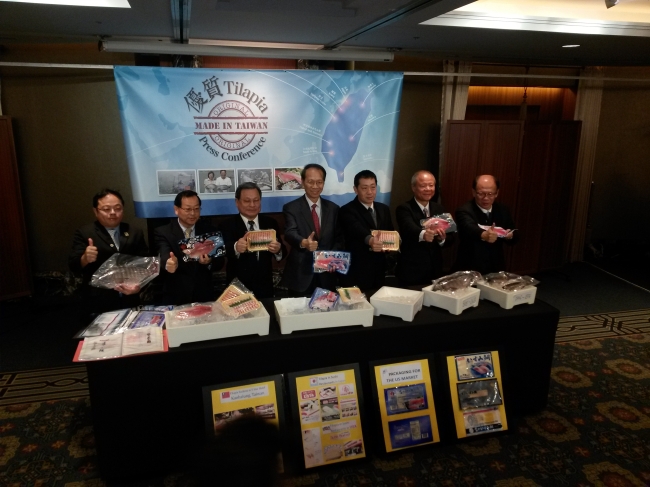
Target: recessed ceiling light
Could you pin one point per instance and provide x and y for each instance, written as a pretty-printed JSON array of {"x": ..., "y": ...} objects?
[
  {"x": 79, "y": 3},
  {"x": 571, "y": 45}
]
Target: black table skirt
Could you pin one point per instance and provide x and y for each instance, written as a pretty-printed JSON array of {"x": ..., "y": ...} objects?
[{"x": 148, "y": 409}]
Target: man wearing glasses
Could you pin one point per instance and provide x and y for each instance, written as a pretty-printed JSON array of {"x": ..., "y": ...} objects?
[
  {"x": 481, "y": 247},
  {"x": 93, "y": 244},
  {"x": 191, "y": 281}
]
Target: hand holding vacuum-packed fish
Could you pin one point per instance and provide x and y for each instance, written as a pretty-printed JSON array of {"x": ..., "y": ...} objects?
[
  {"x": 443, "y": 221},
  {"x": 126, "y": 271}
]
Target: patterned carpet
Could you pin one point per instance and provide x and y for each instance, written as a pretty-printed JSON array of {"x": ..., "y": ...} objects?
[{"x": 594, "y": 432}]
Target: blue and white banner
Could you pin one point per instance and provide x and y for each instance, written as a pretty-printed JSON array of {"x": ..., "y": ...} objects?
[{"x": 211, "y": 129}]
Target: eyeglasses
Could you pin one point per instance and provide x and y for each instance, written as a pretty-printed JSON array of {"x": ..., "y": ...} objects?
[
  {"x": 108, "y": 209},
  {"x": 486, "y": 195},
  {"x": 311, "y": 182},
  {"x": 192, "y": 210}
]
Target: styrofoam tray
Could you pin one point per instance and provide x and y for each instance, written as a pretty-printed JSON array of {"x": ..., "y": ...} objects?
[
  {"x": 361, "y": 315},
  {"x": 383, "y": 301},
  {"x": 455, "y": 303},
  {"x": 507, "y": 299},
  {"x": 257, "y": 325}
]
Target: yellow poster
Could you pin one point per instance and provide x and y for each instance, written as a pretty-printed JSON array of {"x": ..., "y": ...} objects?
[
  {"x": 408, "y": 413},
  {"x": 476, "y": 393},
  {"x": 230, "y": 403},
  {"x": 330, "y": 424}
]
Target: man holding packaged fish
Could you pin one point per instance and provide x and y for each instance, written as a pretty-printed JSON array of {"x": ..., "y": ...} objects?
[
  {"x": 484, "y": 227},
  {"x": 358, "y": 219},
  {"x": 188, "y": 276},
  {"x": 254, "y": 268},
  {"x": 421, "y": 253},
  {"x": 311, "y": 224},
  {"x": 93, "y": 244}
]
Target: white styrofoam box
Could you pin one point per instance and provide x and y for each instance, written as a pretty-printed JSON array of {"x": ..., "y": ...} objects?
[
  {"x": 362, "y": 314},
  {"x": 507, "y": 299},
  {"x": 455, "y": 303},
  {"x": 386, "y": 302},
  {"x": 255, "y": 325}
]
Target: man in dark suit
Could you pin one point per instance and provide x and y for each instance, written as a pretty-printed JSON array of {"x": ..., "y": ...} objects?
[
  {"x": 93, "y": 244},
  {"x": 481, "y": 249},
  {"x": 358, "y": 219},
  {"x": 311, "y": 224},
  {"x": 421, "y": 256},
  {"x": 253, "y": 269},
  {"x": 191, "y": 281}
]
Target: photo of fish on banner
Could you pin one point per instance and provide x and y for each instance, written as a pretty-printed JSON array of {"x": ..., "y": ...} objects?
[
  {"x": 390, "y": 240},
  {"x": 444, "y": 221},
  {"x": 236, "y": 301},
  {"x": 501, "y": 232},
  {"x": 126, "y": 271},
  {"x": 331, "y": 261},
  {"x": 210, "y": 244}
]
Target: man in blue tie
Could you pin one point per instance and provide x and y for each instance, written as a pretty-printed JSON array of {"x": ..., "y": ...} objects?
[
  {"x": 93, "y": 244},
  {"x": 481, "y": 249}
]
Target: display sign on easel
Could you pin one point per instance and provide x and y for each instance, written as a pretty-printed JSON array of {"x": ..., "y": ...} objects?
[
  {"x": 406, "y": 406},
  {"x": 476, "y": 393},
  {"x": 329, "y": 403},
  {"x": 226, "y": 402}
]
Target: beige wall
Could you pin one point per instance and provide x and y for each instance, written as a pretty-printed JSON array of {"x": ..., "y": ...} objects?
[
  {"x": 69, "y": 145},
  {"x": 620, "y": 202}
]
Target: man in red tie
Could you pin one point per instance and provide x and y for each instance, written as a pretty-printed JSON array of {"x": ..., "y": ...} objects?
[{"x": 311, "y": 224}]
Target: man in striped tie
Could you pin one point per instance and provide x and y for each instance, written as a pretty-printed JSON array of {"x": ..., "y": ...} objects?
[{"x": 253, "y": 269}]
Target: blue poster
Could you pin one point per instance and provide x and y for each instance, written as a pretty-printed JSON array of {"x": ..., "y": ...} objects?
[
  {"x": 210, "y": 130},
  {"x": 410, "y": 432}
]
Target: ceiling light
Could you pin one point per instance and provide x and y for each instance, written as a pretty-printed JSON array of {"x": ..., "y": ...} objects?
[
  {"x": 79, "y": 3},
  {"x": 202, "y": 50},
  {"x": 571, "y": 45}
]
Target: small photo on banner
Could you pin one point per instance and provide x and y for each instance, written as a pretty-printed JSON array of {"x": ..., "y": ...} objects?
[
  {"x": 173, "y": 182},
  {"x": 288, "y": 178},
  {"x": 404, "y": 394},
  {"x": 262, "y": 177},
  {"x": 476, "y": 393},
  {"x": 216, "y": 181},
  {"x": 327, "y": 404}
]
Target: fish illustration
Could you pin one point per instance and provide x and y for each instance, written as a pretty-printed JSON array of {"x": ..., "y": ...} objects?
[{"x": 343, "y": 132}]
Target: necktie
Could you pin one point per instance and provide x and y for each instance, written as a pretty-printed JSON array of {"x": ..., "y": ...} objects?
[
  {"x": 188, "y": 232},
  {"x": 488, "y": 215},
  {"x": 314, "y": 217},
  {"x": 116, "y": 240},
  {"x": 373, "y": 215},
  {"x": 425, "y": 210},
  {"x": 251, "y": 227}
]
